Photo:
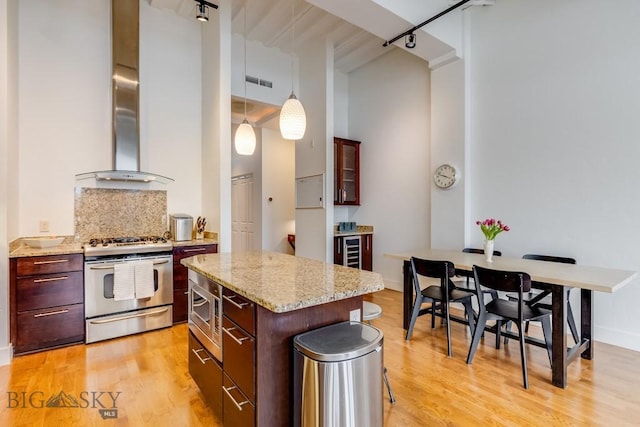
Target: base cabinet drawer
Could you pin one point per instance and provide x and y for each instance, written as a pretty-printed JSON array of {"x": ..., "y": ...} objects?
[
  {"x": 49, "y": 327},
  {"x": 238, "y": 409},
  {"x": 50, "y": 290},
  {"x": 238, "y": 354},
  {"x": 240, "y": 310},
  {"x": 30, "y": 266},
  {"x": 207, "y": 373}
]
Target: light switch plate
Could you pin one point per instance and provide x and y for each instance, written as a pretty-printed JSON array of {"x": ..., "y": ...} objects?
[
  {"x": 44, "y": 226},
  {"x": 354, "y": 315}
]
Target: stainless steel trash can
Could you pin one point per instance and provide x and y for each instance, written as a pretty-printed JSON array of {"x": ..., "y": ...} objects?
[{"x": 338, "y": 376}]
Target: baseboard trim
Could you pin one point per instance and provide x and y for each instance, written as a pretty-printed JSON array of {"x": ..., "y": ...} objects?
[
  {"x": 6, "y": 354},
  {"x": 393, "y": 284},
  {"x": 617, "y": 337}
]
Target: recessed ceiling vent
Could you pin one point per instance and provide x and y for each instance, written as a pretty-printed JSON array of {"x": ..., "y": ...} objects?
[{"x": 258, "y": 81}]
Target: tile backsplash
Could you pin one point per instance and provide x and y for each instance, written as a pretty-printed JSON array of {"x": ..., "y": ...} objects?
[{"x": 102, "y": 212}]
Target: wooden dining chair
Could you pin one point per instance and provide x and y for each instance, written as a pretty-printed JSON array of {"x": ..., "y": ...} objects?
[
  {"x": 440, "y": 296},
  {"x": 467, "y": 275},
  {"x": 545, "y": 301},
  {"x": 504, "y": 310}
]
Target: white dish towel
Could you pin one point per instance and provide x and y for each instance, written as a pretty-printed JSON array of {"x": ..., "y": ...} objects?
[
  {"x": 123, "y": 282},
  {"x": 144, "y": 279}
]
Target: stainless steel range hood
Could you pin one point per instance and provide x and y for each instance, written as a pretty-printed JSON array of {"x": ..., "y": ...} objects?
[{"x": 125, "y": 42}]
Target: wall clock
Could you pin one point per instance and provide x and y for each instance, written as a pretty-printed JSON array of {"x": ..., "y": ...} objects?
[{"x": 445, "y": 176}]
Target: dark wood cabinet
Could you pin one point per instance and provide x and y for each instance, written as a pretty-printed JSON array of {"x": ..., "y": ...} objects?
[
  {"x": 365, "y": 251},
  {"x": 239, "y": 411},
  {"x": 346, "y": 173},
  {"x": 180, "y": 278},
  {"x": 257, "y": 366},
  {"x": 46, "y": 301},
  {"x": 206, "y": 371},
  {"x": 239, "y": 359}
]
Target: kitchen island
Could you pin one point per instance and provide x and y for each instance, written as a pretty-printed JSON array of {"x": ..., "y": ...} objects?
[{"x": 267, "y": 299}]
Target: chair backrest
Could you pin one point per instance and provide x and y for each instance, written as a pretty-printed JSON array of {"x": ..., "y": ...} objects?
[
  {"x": 550, "y": 258},
  {"x": 480, "y": 251},
  {"x": 499, "y": 280},
  {"x": 442, "y": 270}
]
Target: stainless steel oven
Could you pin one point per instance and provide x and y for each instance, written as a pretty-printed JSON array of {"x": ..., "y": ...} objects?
[
  {"x": 107, "y": 317},
  {"x": 205, "y": 312}
]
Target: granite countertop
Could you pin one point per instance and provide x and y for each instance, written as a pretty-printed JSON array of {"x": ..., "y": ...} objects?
[
  {"x": 18, "y": 249},
  {"x": 195, "y": 242},
  {"x": 282, "y": 283},
  {"x": 360, "y": 230}
]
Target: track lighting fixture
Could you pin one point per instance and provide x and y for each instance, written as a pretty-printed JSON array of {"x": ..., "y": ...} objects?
[
  {"x": 202, "y": 10},
  {"x": 410, "y": 41},
  {"x": 410, "y": 36}
]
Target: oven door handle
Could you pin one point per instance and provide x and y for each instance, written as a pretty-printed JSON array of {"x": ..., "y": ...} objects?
[
  {"x": 110, "y": 267},
  {"x": 130, "y": 316}
]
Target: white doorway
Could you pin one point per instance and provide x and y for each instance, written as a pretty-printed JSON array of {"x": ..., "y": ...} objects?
[{"x": 242, "y": 213}]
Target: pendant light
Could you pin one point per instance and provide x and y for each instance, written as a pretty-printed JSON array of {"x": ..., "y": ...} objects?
[
  {"x": 245, "y": 138},
  {"x": 293, "y": 121}
]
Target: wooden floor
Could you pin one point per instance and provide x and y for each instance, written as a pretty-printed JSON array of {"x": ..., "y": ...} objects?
[{"x": 150, "y": 373}]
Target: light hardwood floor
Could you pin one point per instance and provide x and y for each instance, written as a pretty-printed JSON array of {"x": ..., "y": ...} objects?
[{"x": 150, "y": 372}]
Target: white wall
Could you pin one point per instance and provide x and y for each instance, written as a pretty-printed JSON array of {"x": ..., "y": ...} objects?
[
  {"x": 278, "y": 184},
  {"x": 8, "y": 159},
  {"x": 554, "y": 138},
  {"x": 65, "y": 105},
  {"x": 314, "y": 153},
  {"x": 389, "y": 113},
  {"x": 215, "y": 118},
  {"x": 448, "y": 147},
  {"x": 265, "y": 63},
  {"x": 171, "y": 104}
]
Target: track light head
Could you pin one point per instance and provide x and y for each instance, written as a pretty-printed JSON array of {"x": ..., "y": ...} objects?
[
  {"x": 410, "y": 41},
  {"x": 202, "y": 12}
]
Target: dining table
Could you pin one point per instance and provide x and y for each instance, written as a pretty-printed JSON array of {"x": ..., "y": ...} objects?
[{"x": 554, "y": 278}]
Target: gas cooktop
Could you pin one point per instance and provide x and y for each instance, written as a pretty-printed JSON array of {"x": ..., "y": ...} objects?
[{"x": 126, "y": 245}]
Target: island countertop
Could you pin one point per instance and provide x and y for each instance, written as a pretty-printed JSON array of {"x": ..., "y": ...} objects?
[{"x": 282, "y": 283}]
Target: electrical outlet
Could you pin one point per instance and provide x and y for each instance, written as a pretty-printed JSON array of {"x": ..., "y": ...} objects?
[
  {"x": 354, "y": 315},
  {"x": 44, "y": 226}
]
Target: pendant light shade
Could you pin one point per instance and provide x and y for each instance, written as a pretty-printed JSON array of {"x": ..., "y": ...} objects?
[
  {"x": 245, "y": 139},
  {"x": 293, "y": 120}
]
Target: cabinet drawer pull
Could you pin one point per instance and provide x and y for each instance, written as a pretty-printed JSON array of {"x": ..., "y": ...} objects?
[
  {"x": 195, "y": 250},
  {"x": 56, "y": 261},
  {"x": 51, "y": 313},
  {"x": 238, "y": 340},
  {"x": 235, "y": 402},
  {"x": 197, "y": 353},
  {"x": 51, "y": 279},
  {"x": 240, "y": 306}
]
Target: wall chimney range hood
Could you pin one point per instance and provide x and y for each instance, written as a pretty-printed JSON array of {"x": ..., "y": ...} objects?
[{"x": 125, "y": 24}]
